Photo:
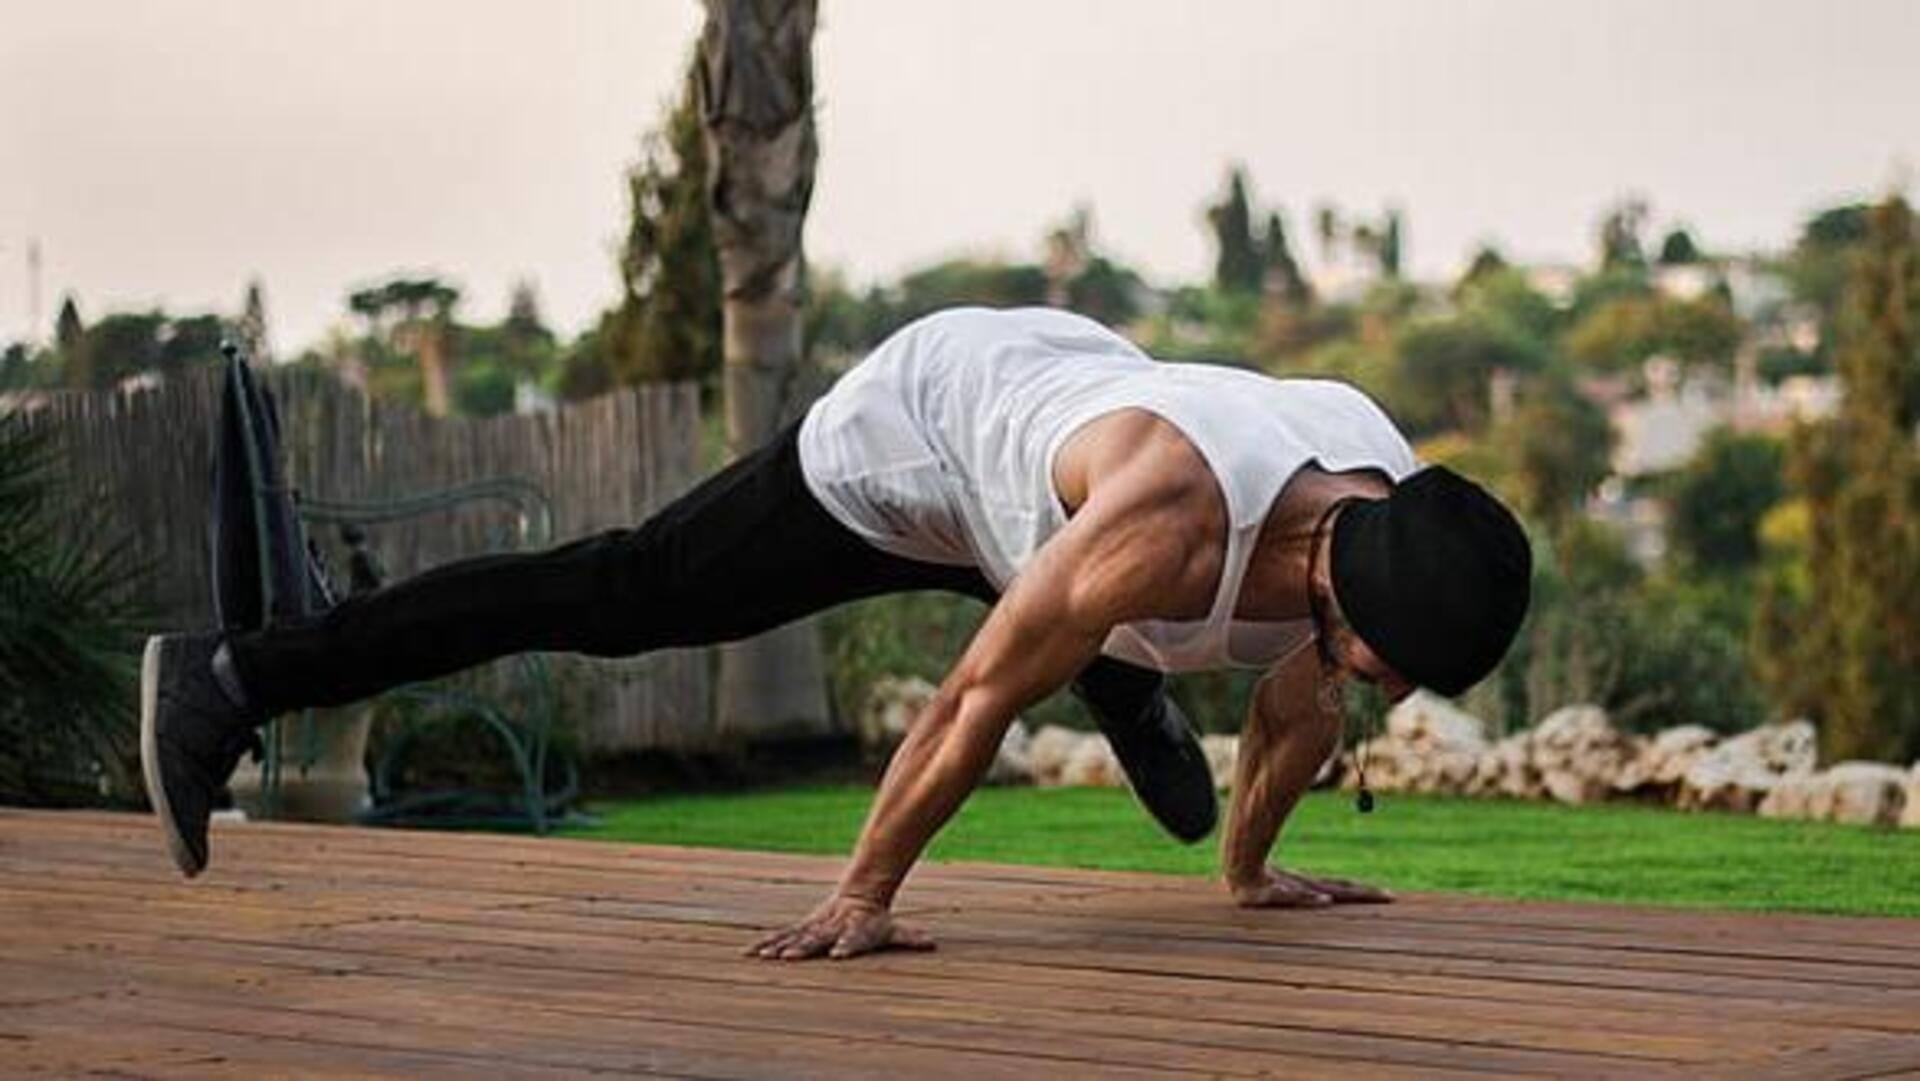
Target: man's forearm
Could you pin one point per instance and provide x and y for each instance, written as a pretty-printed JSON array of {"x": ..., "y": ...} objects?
[
  {"x": 939, "y": 763},
  {"x": 1277, "y": 761}
]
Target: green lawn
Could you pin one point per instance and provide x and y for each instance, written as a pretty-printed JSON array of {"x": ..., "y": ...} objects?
[{"x": 1495, "y": 848}]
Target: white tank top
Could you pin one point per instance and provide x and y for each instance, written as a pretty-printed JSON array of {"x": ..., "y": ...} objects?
[{"x": 939, "y": 446}]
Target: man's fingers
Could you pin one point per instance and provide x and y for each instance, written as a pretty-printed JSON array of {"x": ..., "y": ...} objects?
[
  {"x": 1347, "y": 892},
  {"x": 804, "y": 940},
  {"x": 804, "y": 947},
  {"x": 769, "y": 945},
  {"x": 860, "y": 938},
  {"x": 1289, "y": 896}
]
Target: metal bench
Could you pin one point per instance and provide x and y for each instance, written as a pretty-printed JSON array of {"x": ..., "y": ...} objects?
[{"x": 268, "y": 568}]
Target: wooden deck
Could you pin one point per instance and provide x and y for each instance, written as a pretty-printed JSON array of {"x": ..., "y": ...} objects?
[{"x": 316, "y": 951}]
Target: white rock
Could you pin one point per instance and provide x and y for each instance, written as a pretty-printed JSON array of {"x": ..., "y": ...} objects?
[
  {"x": 1092, "y": 765},
  {"x": 1857, "y": 793},
  {"x": 1013, "y": 762},
  {"x": 893, "y": 704},
  {"x": 1518, "y": 777},
  {"x": 1221, "y": 751},
  {"x": 1738, "y": 773},
  {"x": 1573, "y": 726},
  {"x": 1664, "y": 760},
  {"x": 1426, "y": 719},
  {"x": 1579, "y": 754},
  {"x": 1868, "y": 793},
  {"x": 1568, "y": 786},
  {"x": 1048, "y": 751},
  {"x": 1910, "y": 813},
  {"x": 1430, "y": 745}
]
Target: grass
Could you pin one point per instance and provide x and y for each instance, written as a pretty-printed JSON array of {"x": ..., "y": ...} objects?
[{"x": 1412, "y": 843}]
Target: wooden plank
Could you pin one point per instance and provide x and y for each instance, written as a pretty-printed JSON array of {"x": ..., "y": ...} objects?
[
  {"x": 564, "y": 955},
  {"x": 395, "y": 948},
  {"x": 1682, "y": 937}
]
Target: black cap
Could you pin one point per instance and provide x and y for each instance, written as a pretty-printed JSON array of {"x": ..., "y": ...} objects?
[{"x": 1435, "y": 578}]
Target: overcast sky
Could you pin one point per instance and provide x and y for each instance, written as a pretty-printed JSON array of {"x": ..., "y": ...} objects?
[{"x": 164, "y": 152}]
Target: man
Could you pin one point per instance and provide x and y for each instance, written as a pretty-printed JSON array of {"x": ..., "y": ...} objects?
[{"x": 1127, "y": 519}]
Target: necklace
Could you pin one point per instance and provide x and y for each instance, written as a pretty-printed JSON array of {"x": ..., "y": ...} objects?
[{"x": 1328, "y": 687}]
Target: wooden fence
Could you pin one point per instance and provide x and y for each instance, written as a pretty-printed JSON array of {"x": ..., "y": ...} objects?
[{"x": 145, "y": 457}]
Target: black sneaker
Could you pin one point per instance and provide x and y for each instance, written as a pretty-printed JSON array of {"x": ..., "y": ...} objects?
[
  {"x": 1155, "y": 744},
  {"x": 192, "y": 735}
]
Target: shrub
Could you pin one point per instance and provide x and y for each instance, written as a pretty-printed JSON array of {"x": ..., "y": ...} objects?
[{"x": 69, "y": 637}]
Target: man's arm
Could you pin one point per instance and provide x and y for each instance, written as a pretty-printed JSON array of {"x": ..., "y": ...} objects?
[
  {"x": 1287, "y": 737},
  {"x": 1103, "y": 568}
]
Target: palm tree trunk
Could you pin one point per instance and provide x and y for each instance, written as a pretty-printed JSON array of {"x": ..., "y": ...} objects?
[{"x": 756, "y": 97}]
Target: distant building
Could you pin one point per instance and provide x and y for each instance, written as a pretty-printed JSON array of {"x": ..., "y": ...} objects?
[
  {"x": 1685, "y": 281},
  {"x": 1555, "y": 281},
  {"x": 1662, "y": 430}
]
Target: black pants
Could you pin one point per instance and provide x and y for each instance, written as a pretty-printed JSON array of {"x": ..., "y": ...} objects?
[{"x": 748, "y": 549}]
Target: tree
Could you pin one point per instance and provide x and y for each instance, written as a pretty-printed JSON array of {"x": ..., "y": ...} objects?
[
  {"x": 189, "y": 342},
  {"x": 1392, "y": 243},
  {"x": 1443, "y": 368},
  {"x": 1069, "y": 247},
  {"x": 1558, "y": 445},
  {"x": 1487, "y": 260},
  {"x": 669, "y": 322},
  {"x": 586, "y": 370},
  {"x": 1237, "y": 266},
  {"x": 755, "y": 78},
  {"x": 1620, "y": 235},
  {"x": 1500, "y": 297},
  {"x": 1282, "y": 277},
  {"x": 252, "y": 328},
  {"x": 1106, "y": 291},
  {"x": 121, "y": 344},
  {"x": 1849, "y": 649},
  {"x": 1817, "y": 270},
  {"x": 527, "y": 347},
  {"x": 1617, "y": 334},
  {"x": 1678, "y": 249},
  {"x": 414, "y": 316},
  {"x": 67, "y": 327},
  {"x": 18, "y": 370},
  {"x": 1719, "y": 497},
  {"x": 1328, "y": 230}
]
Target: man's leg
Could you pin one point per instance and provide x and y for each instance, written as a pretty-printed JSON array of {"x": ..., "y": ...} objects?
[
  {"x": 746, "y": 550},
  {"x": 1154, "y": 742}
]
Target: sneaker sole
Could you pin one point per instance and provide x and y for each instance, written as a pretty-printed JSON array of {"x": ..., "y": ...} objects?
[{"x": 150, "y": 758}]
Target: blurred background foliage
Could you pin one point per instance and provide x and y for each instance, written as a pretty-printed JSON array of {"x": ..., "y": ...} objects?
[{"x": 1763, "y": 564}]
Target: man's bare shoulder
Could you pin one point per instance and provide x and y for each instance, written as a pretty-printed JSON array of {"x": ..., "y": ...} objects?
[
  {"x": 1134, "y": 457},
  {"x": 1155, "y": 515}
]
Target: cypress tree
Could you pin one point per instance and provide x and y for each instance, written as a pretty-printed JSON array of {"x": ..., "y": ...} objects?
[
  {"x": 1853, "y": 655},
  {"x": 1282, "y": 275},
  {"x": 67, "y": 327},
  {"x": 1237, "y": 265},
  {"x": 669, "y": 322},
  {"x": 1392, "y": 243},
  {"x": 253, "y": 323}
]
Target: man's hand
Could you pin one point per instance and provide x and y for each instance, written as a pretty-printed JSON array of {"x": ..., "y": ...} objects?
[
  {"x": 841, "y": 927},
  {"x": 1274, "y": 888}
]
